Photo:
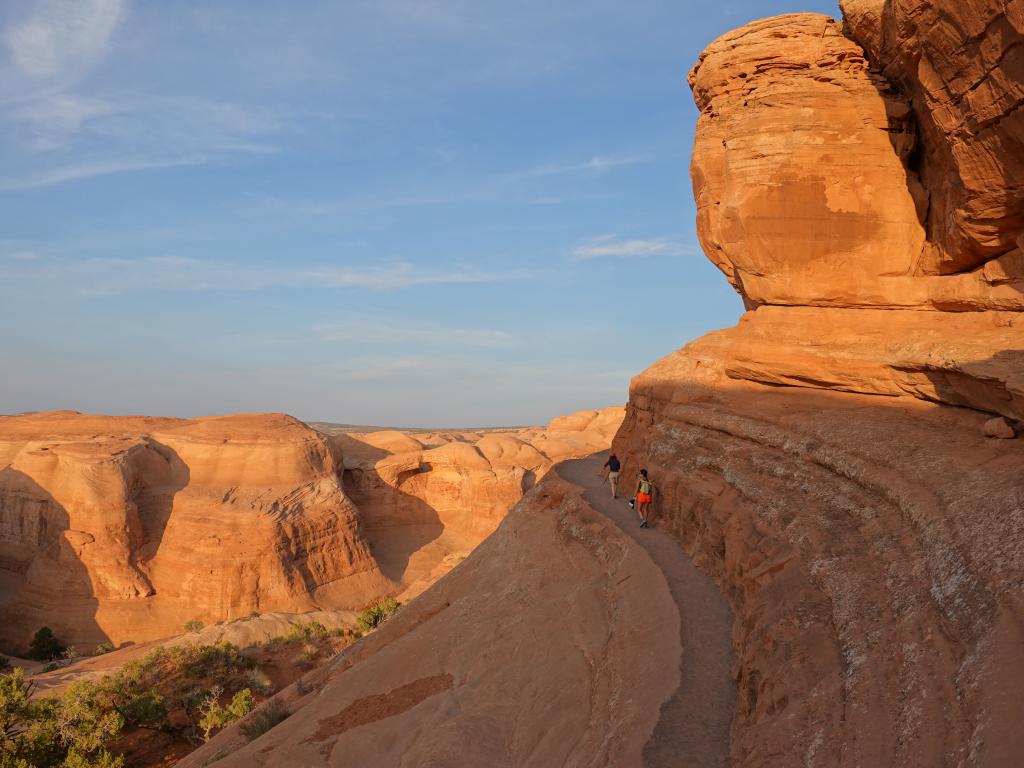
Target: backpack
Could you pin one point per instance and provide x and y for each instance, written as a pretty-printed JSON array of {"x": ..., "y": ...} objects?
[{"x": 645, "y": 487}]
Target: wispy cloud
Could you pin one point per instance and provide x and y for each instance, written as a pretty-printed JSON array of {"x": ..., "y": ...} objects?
[
  {"x": 110, "y": 276},
  {"x": 375, "y": 330},
  {"x": 609, "y": 246},
  {"x": 596, "y": 164},
  {"x": 89, "y": 170},
  {"x": 61, "y": 38}
]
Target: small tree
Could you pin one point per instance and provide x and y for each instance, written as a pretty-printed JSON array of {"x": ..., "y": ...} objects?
[
  {"x": 215, "y": 716},
  {"x": 45, "y": 646}
]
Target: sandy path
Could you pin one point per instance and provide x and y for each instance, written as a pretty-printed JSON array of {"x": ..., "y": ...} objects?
[{"x": 694, "y": 726}]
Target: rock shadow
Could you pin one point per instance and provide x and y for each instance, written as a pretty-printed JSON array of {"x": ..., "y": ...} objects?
[
  {"x": 161, "y": 477},
  {"x": 396, "y": 524},
  {"x": 38, "y": 563}
]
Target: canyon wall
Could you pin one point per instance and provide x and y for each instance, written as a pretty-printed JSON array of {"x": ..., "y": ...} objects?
[
  {"x": 125, "y": 528},
  {"x": 858, "y": 183},
  {"x": 465, "y": 481}
]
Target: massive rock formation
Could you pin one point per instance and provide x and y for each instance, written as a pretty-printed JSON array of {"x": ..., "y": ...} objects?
[
  {"x": 126, "y": 528},
  {"x": 429, "y": 498},
  {"x": 867, "y": 206},
  {"x": 548, "y": 646}
]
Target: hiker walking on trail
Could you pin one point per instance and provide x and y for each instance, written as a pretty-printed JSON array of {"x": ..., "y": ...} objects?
[
  {"x": 613, "y": 466},
  {"x": 644, "y": 497}
]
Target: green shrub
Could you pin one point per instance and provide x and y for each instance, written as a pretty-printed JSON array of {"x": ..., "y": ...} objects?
[
  {"x": 259, "y": 681},
  {"x": 306, "y": 656},
  {"x": 302, "y": 630},
  {"x": 51, "y": 666},
  {"x": 103, "y": 648},
  {"x": 378, "y": 613},
  {"x": 215, "y": 716},
  {"x": 192, "y": 625},
  {"x": 69, "y": 731},
  {"x": 263, "y": 719},
  {"x": 45, "y": 646}
]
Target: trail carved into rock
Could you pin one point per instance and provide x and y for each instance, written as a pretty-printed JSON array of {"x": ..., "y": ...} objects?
[{"x": 693, "y": 729}]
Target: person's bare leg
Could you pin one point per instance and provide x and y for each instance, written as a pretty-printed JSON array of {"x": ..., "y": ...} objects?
[{"x": 613, "y": 480}]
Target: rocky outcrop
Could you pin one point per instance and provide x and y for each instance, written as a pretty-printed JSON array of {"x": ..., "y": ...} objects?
[
  {"x": 464, "y": 481},
  {"x": 855, "y": 182},
  {"x": 551, "y": 644},
  {"x": 961, "y": 67},
  {"x": 123, "y": 529},
  {"x": 126, "y": 528},
  {"x": 819, "y": 183}
]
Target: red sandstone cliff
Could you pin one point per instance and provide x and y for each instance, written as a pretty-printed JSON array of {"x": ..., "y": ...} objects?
[{"x": 126, "y": 528}]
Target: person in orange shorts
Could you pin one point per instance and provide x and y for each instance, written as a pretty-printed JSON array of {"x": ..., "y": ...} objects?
[{"x": 644, "y": 497}]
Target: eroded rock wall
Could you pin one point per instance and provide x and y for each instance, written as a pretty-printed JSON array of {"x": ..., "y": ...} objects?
[
  {"x": 856, "y": 183},
  {"x": 125, "y": 528},
  {"x": 465, "y": 482}
]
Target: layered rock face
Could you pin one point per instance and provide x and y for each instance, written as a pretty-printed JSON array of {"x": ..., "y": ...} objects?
[
  {"x": 464, "y": 481},
  {"x": 125, "y": 528},
  {"x": 856, "y": 183},
  {"x": 429, "y": 498}
]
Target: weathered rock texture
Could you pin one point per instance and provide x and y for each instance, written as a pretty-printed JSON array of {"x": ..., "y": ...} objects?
[
  {"x": 465, "y": 481},
  {"x": 429, "y": 498},
  {"x": 125, "y": 528},
  {"x": 554, "y": 643},
  {"x": 867, "y": 206},
  {"x": 822, "y": 181}
]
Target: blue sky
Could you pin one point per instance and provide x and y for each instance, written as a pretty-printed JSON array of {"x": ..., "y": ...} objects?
[{"x": 402, "y": 212}]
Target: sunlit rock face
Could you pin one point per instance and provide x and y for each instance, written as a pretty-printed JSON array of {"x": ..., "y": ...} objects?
[
  {"x": 126, "y": 528},
  {"x": 858, "y": 182},
  {"x": 825, "y": 179}
]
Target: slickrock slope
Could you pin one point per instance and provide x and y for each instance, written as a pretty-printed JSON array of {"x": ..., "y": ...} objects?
[
  {"x": 554, "y": 643},
  {"x": 125, "y": 528},
  {"x": 870, "y": 537},
  {"x": 428, "y": 499}
]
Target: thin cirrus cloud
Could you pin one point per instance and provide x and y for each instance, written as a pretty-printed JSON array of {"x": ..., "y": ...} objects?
[
  {"x": 378, "y": 331},
  {"x": 61, "y": 38},
  {"x": 611, "y": 247},
  {"x": 596, "y": 164},
  {"x": 70, "y": 173},
  {"x": 57, "y": 131},
  {"x": 105, "y": 276}
]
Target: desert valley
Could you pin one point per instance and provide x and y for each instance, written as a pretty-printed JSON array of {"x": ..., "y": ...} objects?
[{"x": 834, "y": 569}]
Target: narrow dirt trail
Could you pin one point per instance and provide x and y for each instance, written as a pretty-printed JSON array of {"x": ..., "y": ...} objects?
[{"x": 693, "y": 729}]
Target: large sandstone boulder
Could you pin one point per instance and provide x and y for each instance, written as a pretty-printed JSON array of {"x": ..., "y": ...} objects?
[{"x": 819, "y": 181}]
